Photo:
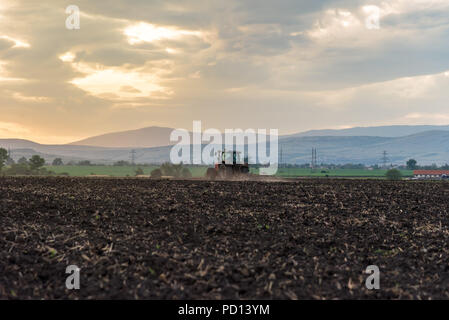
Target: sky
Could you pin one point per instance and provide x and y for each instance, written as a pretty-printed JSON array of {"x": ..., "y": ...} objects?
[{"x": 292, "y": 65}]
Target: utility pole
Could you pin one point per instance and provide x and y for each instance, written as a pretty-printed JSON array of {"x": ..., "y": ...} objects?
[
  {"x": 133, "y": 156},
  {"x": 385, "y": 159},
  {"x": 314, "y": 162},
  {"x": 311, "y": 163},
  {"x": 281, "y": 159}
]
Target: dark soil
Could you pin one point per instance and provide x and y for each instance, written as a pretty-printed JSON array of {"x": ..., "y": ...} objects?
[{"x": 147, "y": 239}]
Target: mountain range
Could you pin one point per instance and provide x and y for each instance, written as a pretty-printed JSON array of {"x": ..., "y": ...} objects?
[
  {"x": 140, "y": 138},
  {"x": 426, "y": 144}
]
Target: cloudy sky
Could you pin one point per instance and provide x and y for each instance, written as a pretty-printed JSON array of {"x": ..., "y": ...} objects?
[{"x": 293, "y": 65}]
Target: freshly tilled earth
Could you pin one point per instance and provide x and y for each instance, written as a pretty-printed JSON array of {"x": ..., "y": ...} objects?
[{"x": 160, "y": 239}]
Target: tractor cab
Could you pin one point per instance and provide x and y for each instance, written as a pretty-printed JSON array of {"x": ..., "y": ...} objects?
[
  {"x": 229, "y": 164},
  {"x": 228, "y": 157}
]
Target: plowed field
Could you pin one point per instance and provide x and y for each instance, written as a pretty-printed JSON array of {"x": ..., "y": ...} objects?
[{"x": 148, "y": 239}]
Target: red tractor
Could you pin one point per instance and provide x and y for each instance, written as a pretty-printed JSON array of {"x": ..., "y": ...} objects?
[{"x": 228, "y": 166}]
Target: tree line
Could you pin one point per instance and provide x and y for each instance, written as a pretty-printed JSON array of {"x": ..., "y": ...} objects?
[
  {"x": 172, "y": 170},
  {"x": 32, "y": 166},
  {"x": 412, "y": 164}
]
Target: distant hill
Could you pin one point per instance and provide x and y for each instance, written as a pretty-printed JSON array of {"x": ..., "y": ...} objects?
[
  {"x": 17, "y": 143},
  {"x": 160, "y": 136},
  {"x": 381, "y": 131},
  {"x": 26, "y": 148},
  {"x": 140, "y": 138},
  {"x": 427, "y": 147}
]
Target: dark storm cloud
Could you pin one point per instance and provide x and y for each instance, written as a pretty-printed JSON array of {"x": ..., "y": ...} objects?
[{"x": 262, "y": 59}]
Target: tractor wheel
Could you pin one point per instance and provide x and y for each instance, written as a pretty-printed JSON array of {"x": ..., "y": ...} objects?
[
  {"x": 221, "y": 173},
  {"x": 244, "y": 170},
  {"x": 229, "y": 173},
  {"x": 211, "y": 174}
]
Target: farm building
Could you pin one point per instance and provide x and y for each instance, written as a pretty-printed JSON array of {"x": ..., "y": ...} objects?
[{"x": 431, "y": 174}]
